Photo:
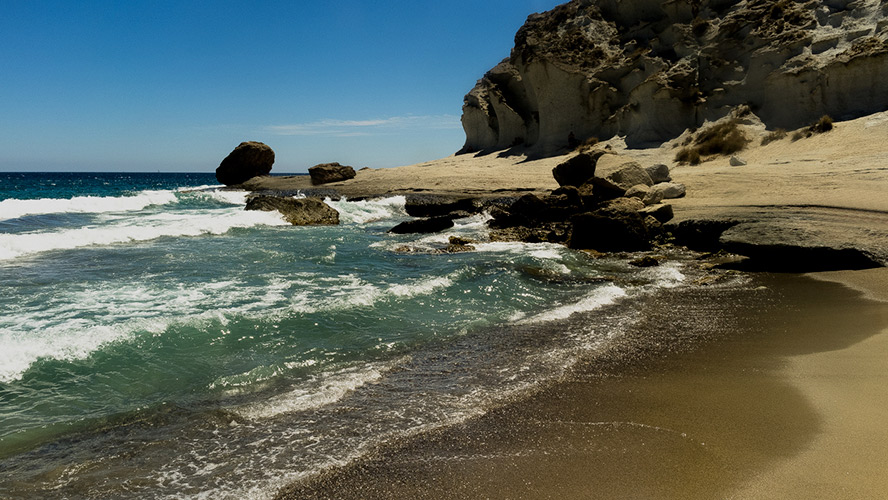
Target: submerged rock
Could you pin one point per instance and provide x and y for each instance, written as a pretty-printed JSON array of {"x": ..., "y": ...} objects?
[
  {"x": 297, "y": 211},
  {"x": 249, "y": 159}
]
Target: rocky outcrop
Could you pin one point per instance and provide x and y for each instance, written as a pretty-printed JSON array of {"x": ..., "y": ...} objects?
[
  {"x": 581, "y": 217},
  {"x": 249, "y": 159},
  {"x": 297, "y": 211},
  {"x": 330, "y": 172},
  {"x": 424, "y": 225},
  {"x": 649, "y": 69}
]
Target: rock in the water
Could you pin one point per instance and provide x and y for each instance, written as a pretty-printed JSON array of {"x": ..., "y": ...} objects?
[
  {"x": 249, "y": 159},
  {"x": 430, "y": 205},
  {"x": 578, "y": 170},
  {"x": 646, "y": 261},
  {"x": 664, "y": 191},
  {"x": 297, "y": 211},
  {"x": 330, "y": 172},
  {"x": 428, "y": 225},
  {"x": 736, "y": 161}
]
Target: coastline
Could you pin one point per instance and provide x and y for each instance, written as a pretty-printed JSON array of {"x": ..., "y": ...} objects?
[{"x": 764, "y": 391}]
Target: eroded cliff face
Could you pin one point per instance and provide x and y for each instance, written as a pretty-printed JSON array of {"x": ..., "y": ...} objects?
[{"x": 649, "y": 69}]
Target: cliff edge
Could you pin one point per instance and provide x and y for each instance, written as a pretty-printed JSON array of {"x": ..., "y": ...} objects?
[{"x": 649, "y": 69}]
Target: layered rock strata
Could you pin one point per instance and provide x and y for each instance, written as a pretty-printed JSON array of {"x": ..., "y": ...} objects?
[{"x": 649, "y": 69}]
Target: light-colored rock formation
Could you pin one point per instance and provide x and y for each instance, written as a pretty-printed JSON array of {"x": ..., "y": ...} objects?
[{"x": 649, "y": 69}]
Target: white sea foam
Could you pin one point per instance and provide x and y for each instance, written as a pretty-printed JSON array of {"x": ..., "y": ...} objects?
[
  {"x": 320, "y": 390},
  {"x": 14, "y": 208},
  {"x": 132, "y": 229},
  {"x": 364, "y": 211},
  {"x": 600, "y": 297}
]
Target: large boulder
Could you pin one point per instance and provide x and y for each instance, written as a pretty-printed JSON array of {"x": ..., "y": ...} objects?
[
  {"x": 625, "y": 231},
  {"x": 249, "y": 159},
  {"x": 664, "y": 191},
  {"x": 577, "y": 170},
  {"x": 330, "y": 172},
  {"x": 297, "y": 211},
  {"x": 620, "y": 178}
]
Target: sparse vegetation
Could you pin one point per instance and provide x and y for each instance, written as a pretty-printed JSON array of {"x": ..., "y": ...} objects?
[
  {"x": 587, "y": 144},
  {"x": 774, "y": 136},
  {"x": 824, "y": 124},
  {"x": 690, "y": 156},
  {"x": 722, "y": 139}
]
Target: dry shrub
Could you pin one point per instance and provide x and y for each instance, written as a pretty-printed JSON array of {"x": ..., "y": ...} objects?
[
  {"x": 722, "y": 139},
  {"x": 824, "y": 124},
  {"x": 773, "y": 136},
  {"x": 688, "y": 155},
  {"x": 587, "y": 144}
]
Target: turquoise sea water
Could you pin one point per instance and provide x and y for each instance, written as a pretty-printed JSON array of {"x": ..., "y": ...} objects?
[{"x": 158, "y": 341}]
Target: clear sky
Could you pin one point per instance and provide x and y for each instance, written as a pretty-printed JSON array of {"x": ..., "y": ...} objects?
[{"x": 175, "y": 85}]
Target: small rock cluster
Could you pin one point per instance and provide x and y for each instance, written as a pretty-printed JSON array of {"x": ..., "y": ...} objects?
[{"x": 620, "y": 209}]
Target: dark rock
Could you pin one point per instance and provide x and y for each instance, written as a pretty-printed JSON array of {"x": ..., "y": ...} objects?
[
  {"x": 624, "y": 231},
  {"x": 330, "y": 172},
  {"x": 661, "y": 211},
  {"x": 786, "y": 249},
  {"x": 646, "y": 261},
  {"x": 701, "y": 234},
  {"x": 577, "y": 170},
  {"x": 426, "y": 205},
  {"x": 456, "y": 244},
  {"x": 427, "y": 225},
  {"x": 249, "y": 159},
  {"x": 297, "y": 211}
]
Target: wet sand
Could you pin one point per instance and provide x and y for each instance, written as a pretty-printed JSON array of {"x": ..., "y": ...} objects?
[{"x": 773, "y": 390}]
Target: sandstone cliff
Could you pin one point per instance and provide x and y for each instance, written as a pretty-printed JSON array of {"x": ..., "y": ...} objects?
[{"x": 649, "y": 69}]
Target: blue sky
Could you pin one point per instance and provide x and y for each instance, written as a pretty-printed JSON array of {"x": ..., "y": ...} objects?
[{"x": 175, "y": 86}]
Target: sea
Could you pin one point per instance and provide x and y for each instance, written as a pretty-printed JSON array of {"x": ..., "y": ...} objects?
[{"x": 159, "y": 341}]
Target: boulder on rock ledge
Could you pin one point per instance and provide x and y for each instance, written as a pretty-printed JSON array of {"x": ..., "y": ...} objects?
[
  {"x": 330, "y": 172},
  {"x": 249, "y": 159}
]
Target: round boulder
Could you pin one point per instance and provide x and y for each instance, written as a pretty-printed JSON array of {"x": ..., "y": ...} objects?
[{"x": 249, "y": 159}]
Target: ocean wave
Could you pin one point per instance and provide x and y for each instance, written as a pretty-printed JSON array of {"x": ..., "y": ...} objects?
[
  {"x": 320, "y": 390},
  {"x": 14, "y": 208},
  {"x": 597, "y": 299},
  {"x": 347, "y": 292},
  {"x": 135, "y": 229},
  {"x": 365, "y": 211}
]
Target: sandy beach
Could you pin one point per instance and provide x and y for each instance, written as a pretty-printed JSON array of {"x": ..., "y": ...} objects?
[{"x": 770, "y": 390}]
